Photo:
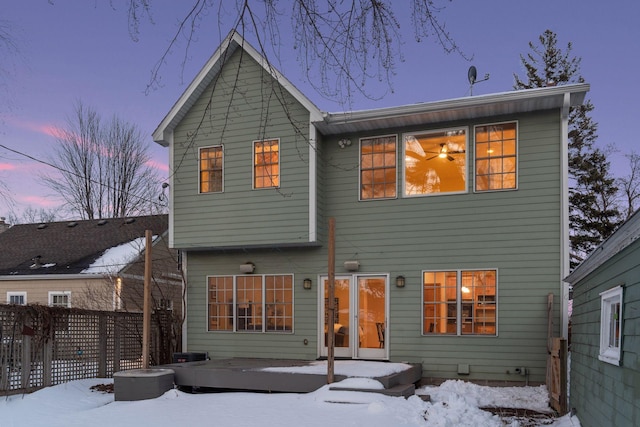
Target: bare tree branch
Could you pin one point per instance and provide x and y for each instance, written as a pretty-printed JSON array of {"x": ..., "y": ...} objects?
[{"x": 103, "y": 170}]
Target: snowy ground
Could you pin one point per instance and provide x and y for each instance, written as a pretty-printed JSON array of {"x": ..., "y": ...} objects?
[{"x": 453, "y": 404}]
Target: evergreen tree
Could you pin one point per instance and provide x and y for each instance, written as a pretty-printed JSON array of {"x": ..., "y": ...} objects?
[{"x": 593, "y": 213}]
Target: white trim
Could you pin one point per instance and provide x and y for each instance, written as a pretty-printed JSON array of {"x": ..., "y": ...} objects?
[
  {"x": 429, "y": 132},
  {"x": 564, "y": 217},
  {"x": 607, "y": 353},
  {"x": 313, "y": 190},
  {"x": 472, "y": 166},
  {"x": 459, "y": 301},
  {"x": 253, "y": 164},
  {"x": 164, "y": 132},
  {"x": 17, "y": 294},
  {"x": 172, "y": 173},
  {"x": 51, "y": 294},
  {"x": 18, "y": 278}
]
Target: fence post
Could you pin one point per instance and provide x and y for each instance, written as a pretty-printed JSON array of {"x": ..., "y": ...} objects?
[
  {"x": 26, "y": 361},
  {"x": 47, "y": 355},
  {"x": 116, "y": 342},
  {"x": 102, "y": 346}
]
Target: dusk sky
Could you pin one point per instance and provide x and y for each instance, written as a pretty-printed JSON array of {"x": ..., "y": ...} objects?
[{"x": 78, "y": 50}]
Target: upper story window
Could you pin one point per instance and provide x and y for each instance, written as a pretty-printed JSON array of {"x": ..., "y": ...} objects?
[
  {"x": 211, "y": 169},
  {"x": 496, "y": 158},
  {"x": 459, "y": 302},
  {"x": 378, "y": 167},
  {"x": 19, "y": 298},
  {"x": 266, "y": 163},
  {"x": 611, "y": 326},
  {"x": 435, "y": 162}
]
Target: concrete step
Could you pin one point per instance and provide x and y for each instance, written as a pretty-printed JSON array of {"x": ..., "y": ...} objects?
[{"x": 400, "y": 390}]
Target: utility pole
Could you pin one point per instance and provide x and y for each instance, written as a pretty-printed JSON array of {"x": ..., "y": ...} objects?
[
  {"x": 146, "y": 316},
  {"x": 331, "y": 306}
]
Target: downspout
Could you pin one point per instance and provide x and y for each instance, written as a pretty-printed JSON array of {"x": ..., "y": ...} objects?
[
  {"x": 313, "y": 187},
  {"x": 564, "y": 226},
  {"x": 184, "y": 300}
]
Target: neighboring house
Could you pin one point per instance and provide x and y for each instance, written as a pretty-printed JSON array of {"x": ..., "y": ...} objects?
[
  {"x": 605, "y": 338},
  {"x": 451, "y": 222},
  {"x": 93, "y": 264}
]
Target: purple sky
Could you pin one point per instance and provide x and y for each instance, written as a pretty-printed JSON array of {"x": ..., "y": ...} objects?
[{"x": 78, "y": 50}]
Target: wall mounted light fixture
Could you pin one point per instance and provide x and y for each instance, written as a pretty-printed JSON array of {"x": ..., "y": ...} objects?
[
  {"x": 352, "y": 265},
  {"x": 344, "y": 143},
  {"x": 306, "y": 283},
  {"x": 400, "y": 281},
  {"x": 247, "y": 268}
]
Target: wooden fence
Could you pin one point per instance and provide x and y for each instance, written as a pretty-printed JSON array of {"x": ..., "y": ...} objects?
[{"x": 42, "y": 346}]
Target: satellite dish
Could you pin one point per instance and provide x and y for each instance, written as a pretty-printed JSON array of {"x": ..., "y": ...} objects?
[{"x": 472, "y": 74}]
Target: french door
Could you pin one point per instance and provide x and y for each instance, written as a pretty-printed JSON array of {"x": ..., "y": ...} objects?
[{"x": 360, "y": 321}]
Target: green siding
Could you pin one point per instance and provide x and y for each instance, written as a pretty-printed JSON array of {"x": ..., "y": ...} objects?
[
  {"x": 604, "y": 394},
  {"x": 241, "y": 216},
  {"x": 516, "y": 232}
]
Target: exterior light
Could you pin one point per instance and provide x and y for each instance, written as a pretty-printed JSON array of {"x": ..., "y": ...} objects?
[
  {"x": 400, "y": 282},
  {"x": 247, "y": 268},
  {"x": 306, "y": 283}
]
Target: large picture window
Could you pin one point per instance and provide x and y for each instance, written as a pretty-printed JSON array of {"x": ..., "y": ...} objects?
[
  {"x": 435, "y": 162},
  {"x": 211, "y": 169},
  {"x": 266, "y": 164},
  {"x": 496, "y": 158},
  {"x": 378, "y": 168},
  {"x": 459, "y": 302},
  {"x": 611, "y": 325},
  {"x": 251, "y": 303}
]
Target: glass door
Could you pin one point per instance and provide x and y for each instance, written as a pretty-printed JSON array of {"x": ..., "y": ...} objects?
[{"x": 360, "y": 321}]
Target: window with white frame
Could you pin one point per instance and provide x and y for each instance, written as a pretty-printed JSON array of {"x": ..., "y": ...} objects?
[
  {"x": 60, "y": 299},
  {"x": 459, "y": 302},
  {"x": 611, "y": 326},
  {"x": 250, "y": 303},
  {"x": 19, "y": 298},
  {"x": 435, "y": 162},
  {"x": 266, "y": 164},
  {"x": 211, "y": 169},
  {"x": 496, "y": 162},
  {"x": 378, "y": 167}
]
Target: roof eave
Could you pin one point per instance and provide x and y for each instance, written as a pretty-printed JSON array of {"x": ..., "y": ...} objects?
[{"x": 453, "y": 109}]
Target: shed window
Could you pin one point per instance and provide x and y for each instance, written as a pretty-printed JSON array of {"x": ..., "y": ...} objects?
[{"x": 611, "y": 326}]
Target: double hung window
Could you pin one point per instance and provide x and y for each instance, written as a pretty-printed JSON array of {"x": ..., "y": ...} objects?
[
  {"x": 211, "y": 169},
  {"x": 266, "y": 164},
  {"x": 496, "y": 157},
  {"x": 611, "y": 325},
  {"x": 378, "y": 168}
]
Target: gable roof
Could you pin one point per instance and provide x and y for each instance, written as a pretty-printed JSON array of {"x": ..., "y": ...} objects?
[
  {"x": 623, "y": 237},
  {"x": 210, "y": 71},
  {"x": 69, "y": 247}
]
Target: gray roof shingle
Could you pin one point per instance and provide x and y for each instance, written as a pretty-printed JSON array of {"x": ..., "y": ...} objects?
[{"x": 69, "y": 247}]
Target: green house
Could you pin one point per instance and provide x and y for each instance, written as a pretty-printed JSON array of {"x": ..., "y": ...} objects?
[
  {"x": 451, "y": 222},
  {"x": 605, "y": 349}
]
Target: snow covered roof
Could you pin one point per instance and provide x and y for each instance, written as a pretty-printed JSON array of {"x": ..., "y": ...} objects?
[{"x": 75, "y": 247}]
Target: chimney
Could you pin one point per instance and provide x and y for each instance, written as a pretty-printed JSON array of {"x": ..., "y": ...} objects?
[{"x": 3, "y": 225}]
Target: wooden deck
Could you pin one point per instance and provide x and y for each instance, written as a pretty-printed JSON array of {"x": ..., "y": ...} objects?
[{"x": 258, "y": 375}]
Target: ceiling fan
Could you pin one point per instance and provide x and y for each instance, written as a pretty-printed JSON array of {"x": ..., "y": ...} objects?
[{"x": 444, "y": 153}]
